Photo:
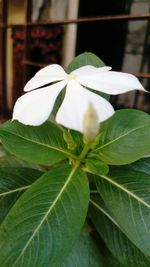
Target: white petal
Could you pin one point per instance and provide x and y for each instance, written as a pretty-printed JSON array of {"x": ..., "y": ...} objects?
[
  {"x": 90, "y": 70},
  {"x": 34, "y": 108},
  {"x": 51, "y": 73},
  {"x": 76, "y": 103},
  {"x": 111, "y": 82},
  {"x": 53, "y": 69}
]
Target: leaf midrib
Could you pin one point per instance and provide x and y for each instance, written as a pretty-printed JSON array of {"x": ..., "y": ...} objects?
[
  {"x": 121, "y": 136},
  {"x": 99, "y": 208},
  {"x": 130, "y": 193},
  {"x": 44, "y": 145},
  {"x": 47, "y": 213},
  {"x": 14, "y": 190}
]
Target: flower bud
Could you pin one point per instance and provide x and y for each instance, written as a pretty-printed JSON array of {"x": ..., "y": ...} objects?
[{"x": 90, "y": 124}]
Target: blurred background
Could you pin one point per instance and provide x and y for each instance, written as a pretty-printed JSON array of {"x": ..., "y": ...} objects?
[{"x": 35, "y": 33}]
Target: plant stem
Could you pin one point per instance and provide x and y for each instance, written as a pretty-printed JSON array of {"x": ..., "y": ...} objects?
[
  {"x": 77, "y": 160},
  {"x": 84, "y": 151}
]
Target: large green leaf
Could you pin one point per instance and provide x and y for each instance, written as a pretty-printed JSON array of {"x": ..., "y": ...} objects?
[
  {"x": 13, "y": 182},
  {"x": 84, "y": 253},
  {"x": 45, "y": 222},
  {"x": 126, "y": 194},
  {"x": 41, "y": 144},
  {"x": 86, "y": 58},
  {"x": 119, "y": 245},
  {"x": 125, "y": 137},
  {"x": 9, "y": 160}
]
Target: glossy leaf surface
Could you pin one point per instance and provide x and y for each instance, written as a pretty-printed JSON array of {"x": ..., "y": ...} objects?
[
  {"x": 124, "y": 137},
  {"x": 97, "y": 167},
  {"x": 13, "y": 182},
  {"x": 86, "y": 58},
  {"x": 126, "y": 194},
  {"x": 42, "y": 144},
  {"x": 46, "y": 220},
  {"x": 119, "y": 245},
  {"x": 84, "y": 253}
]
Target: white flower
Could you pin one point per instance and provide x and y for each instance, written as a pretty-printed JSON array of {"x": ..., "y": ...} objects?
[{"x": 35, "y": 107}]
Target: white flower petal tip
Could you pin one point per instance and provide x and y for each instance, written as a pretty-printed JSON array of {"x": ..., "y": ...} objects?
[
  {"x": 50, "y": 70},
  {"x": 133, "y": 82},
  {"x": 47, "y": 75},
  {"x": 106, "y": 81}
]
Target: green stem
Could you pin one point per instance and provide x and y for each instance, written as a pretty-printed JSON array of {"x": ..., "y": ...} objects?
[
  {"x": 81, "y": 156},
  {"x": 77, "y": 160},
  {"x": 84, "y": 151}
]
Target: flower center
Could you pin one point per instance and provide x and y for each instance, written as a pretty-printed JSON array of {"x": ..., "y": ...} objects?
[{"x": 70, "y": 76}]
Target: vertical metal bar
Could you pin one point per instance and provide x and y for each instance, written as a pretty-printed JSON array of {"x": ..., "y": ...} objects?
[
  {"x": 4, "y": 6},
  {"x": 26, "y": 56}
]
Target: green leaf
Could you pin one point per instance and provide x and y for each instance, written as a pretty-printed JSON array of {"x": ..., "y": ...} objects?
[
  {"x": 39, "y": 144},
  {"x": 13, "y": 182},
  {"x": 43, "y": 225},
  {"x": 110, "y": 261},
  {"x": 142, "y": 165},
  {"x": 86, "y": 58},
  {"x": 125, "y": 137},
  {"x": 119, "y": 245},
  {"x": 84, "y": 253},
  {"x": 126, "y": 194},
  {"x": 9, "y": 160},
  {"x": 96, "y": 167},
  {"x": 78, "y": 139}
]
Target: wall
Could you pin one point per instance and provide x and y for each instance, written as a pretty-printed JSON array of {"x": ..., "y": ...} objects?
[
  {"x": 15, "y": 15},
  {"x": 136, "y": 55}
]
